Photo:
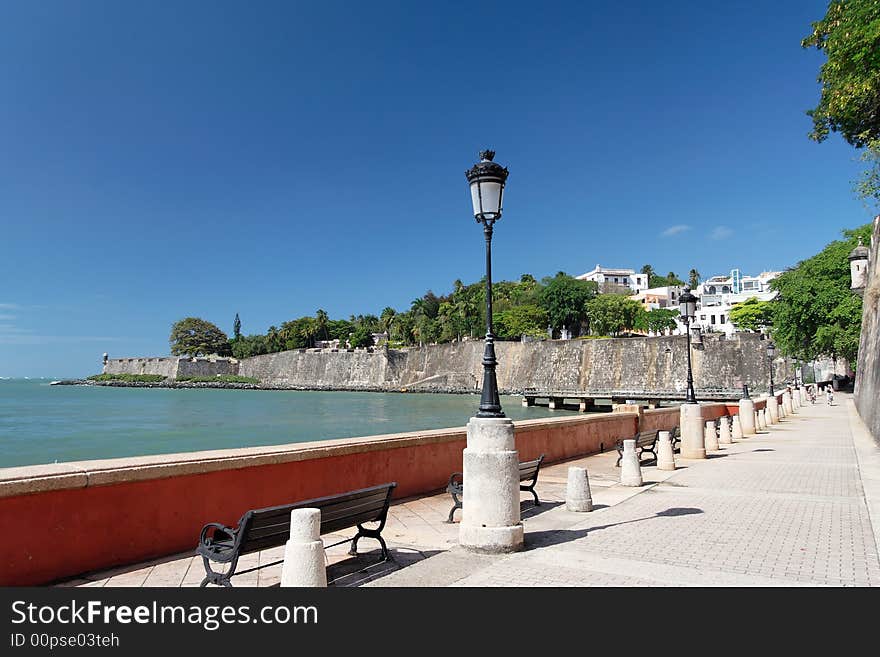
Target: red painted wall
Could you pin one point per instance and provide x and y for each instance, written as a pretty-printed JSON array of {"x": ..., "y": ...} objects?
[{"x": 62, "y": 533}]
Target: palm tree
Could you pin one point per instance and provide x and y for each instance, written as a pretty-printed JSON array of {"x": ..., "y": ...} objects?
[
  {"x": 693, "y": 278},
  {"x": 321, "y": 321}
]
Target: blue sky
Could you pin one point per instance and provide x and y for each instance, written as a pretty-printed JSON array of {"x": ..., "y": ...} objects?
[{"x": 166, "y": 159}]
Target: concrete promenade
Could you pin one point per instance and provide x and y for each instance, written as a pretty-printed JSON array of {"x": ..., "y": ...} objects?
[{"x": 796, "y": 505}]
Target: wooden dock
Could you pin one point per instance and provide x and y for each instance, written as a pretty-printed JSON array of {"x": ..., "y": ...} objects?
[{"x": 587, "y": 400}]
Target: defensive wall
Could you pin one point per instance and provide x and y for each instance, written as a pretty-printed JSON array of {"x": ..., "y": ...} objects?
[
  {"x": 172, "y": 367},
  {"x": 68, "y": 519},
  {"x": 867, "y": 386},
  {"x": 658, "y": 363}
]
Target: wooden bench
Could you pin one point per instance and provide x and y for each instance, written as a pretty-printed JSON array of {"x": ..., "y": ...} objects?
[
  {"x": 646, "y": 441},
  {"x": 259, "y": 529},
  {"x": 528, "y": 471}
]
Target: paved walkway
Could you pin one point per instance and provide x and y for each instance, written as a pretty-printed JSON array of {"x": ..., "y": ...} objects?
[{"x": 796, "y": 505}]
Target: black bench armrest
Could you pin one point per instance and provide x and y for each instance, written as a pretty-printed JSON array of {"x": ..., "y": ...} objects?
[{"x": 206, "y": 540}]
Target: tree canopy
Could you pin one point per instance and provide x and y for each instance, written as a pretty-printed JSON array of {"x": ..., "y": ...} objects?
[
  {"x": 612, "y": 314},
  {"x": 752, "y": 315},
  {"x": 816, "y": 313},
  {"x": 565, "y": 299},
  {"x": 849, "y": 103},
  {"x": 193, "y": 336}
]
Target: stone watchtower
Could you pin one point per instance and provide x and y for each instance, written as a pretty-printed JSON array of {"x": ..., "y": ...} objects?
[{"x": 858, "y": 268}]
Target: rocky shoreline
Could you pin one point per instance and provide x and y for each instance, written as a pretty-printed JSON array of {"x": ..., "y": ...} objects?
[{"x": 257, "y": 386}]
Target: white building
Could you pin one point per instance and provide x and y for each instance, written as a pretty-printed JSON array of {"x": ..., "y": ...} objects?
[
  {"x": 717, "y": 295},
  {"x": 659, "y": 297},
  {"x": 607, "y": 277}
]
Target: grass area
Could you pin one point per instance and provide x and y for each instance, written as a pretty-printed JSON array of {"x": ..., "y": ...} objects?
[
  {"x": 131, "y": 378},
  {"x": 220, "y": 378}
]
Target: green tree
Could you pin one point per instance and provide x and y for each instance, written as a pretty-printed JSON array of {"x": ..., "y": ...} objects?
[
  {"x": 648, "y": 270},
  {"x": 362, "y": 336},
  {"x": 321, "y": 324},
  {"x": 249, "y": 345},
  {"x": 193, "y": 336},
  {"x": 612, "y": 314},
  {"x": 693, "y": 278},
  {"x": 658, "y": 320},
  {"x": 565, "y": 300},
  {"x": 236, "y": 328},
  {"x": 752, "y": 315},
  {"x": 849, "y": 35},
  {"x": 513, "y": 323},
  {"x": 816, "y": 313}
]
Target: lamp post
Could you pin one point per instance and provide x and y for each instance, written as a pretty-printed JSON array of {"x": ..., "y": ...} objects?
[
  {"x": 490, "y": 515},
  {"x": 486, "y": 179},
  {"x": 771, "y": 352},
  {"x": 687, "y": 307}
]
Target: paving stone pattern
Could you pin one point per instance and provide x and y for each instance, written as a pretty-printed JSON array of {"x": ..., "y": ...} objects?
[{"x": 784, "y": 508}]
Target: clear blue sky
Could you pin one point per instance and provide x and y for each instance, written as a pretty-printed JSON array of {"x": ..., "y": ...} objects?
[{"x": 166, "y": 159}]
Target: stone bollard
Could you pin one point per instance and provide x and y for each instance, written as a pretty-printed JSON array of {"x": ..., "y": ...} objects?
[
  {"x": 630, "y": 468},
  {"x": 490, "y": 519},
  {"x": 747, "y": 417},
  {"x": 304, "y": 551},
  {"x": 577, "y": 494},
  {"x": 693, "y": 445},
  {"x": 724, "y": 434},
  {"x": 772, "y": 410},
  {"x": 786, "y": 403},
  {"x": 762, "y": 418},
  {"x": 710, "y": 437},
  {"x": 665, "y": 453},
  {"x": 757, "y": 422},
  {"x": 737, "y": 428}
]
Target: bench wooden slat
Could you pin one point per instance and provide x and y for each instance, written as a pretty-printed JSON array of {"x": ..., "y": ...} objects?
[{"x": 276, "y": 515}]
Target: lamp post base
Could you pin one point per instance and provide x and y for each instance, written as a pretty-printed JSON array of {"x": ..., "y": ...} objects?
[{"x": 490, "y": 520}]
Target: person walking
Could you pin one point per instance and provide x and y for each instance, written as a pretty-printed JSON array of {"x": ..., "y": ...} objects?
[{"x": 829, "y": 395}]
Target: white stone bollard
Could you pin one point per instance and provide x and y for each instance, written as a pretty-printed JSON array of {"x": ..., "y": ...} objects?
[
  {"x": 757, "y": 422},
  {"x": 710, "y": 437},
  {"x": 786, "y": 403},
  {"x": 490, "y": 520},
  {"x": 724, "y": 434},
  {"x": 747, "y": 417},
  {"x": 737, "y": 428},
  {"x": 304, "y": 551},
  {"x": 772, "y": 410},
  {"x": 693, "y": 445},
  {"x": 630, "y": 468},
  {"x": 665, "y": 452},
  {"x": 795, "y": 399},
  {"x": 762, "y": 418},
  {"x": 577, "y": 494}
]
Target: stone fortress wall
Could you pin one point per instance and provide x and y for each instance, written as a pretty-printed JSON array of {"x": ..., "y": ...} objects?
[
  {"x": 867, "y": 387},
  {"x": 172, "y": 367},
  {"x": 658, "y": 363}
]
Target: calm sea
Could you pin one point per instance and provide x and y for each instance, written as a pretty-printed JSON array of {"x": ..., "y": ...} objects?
[{"x": 40, "y": 423}]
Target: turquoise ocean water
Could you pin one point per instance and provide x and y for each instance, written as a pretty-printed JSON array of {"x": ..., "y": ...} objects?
[{"x": 40, "y": 423}]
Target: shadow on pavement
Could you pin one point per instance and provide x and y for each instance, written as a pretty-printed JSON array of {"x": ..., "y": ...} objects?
[{"x": 559, "y": 536}]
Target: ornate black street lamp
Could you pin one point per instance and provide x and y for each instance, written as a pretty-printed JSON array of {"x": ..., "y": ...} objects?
[
  {"x": 687, "y": 308},
  {"x": 771, "y": 352},
  {"x": 486, "y": 179}
]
